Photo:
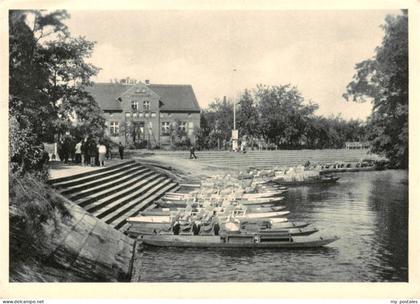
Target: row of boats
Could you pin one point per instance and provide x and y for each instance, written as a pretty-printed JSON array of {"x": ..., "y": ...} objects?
[
  {"x": 225, "y": 212},
  {"x": 312, "y": 173}
]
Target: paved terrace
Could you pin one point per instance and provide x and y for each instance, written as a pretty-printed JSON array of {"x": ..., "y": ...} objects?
[
  {"x": 59, "y": 169},
  {"x": 227, "y": 160}
]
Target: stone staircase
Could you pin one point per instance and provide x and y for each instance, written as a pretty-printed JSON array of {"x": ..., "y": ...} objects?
[
  {"x": 117, "y": 192},
  {"x": 255, "y": 158}
]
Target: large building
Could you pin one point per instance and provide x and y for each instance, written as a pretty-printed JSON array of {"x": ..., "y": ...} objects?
[{"x": 147, "y": 113}]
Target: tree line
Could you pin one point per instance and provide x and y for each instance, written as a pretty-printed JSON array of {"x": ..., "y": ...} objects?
[
  {"x": 275, "y": 117},
  {"x": 280, "y": 117}
]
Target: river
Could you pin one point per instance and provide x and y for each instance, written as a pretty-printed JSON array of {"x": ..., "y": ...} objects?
[{"x": 367, "y": 210}]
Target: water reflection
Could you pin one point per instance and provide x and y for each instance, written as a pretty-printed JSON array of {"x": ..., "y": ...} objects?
[{"x": 368, "y": 210}]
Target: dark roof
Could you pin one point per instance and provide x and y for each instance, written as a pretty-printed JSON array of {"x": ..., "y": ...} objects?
[
  {"x": 176, "y": 97},
  {"x": 106, "y": 95}
]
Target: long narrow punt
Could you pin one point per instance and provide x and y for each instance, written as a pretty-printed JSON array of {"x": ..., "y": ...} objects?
[
  {"x": 320, "y": 180},
  {"x": 260, "y": 201},
  {"x": 238, "y": 241}
]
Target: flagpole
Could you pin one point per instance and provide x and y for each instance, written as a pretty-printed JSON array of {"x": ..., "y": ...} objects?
[{"x": 234, "y": 131}]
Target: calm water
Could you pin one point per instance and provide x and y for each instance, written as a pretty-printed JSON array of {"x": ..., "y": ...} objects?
[{"x": 368, "y": 210}]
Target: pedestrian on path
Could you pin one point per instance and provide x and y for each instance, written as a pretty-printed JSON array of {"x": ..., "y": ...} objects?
[
  {"x": 92, "y": 150},
  {"x": 84, "y": 149},
  {"x": 108, "y": 151},
  {"x": 121, "y": 150},
  {"x": 192, "y": 152},
  {"x": 102, "y": 153}
]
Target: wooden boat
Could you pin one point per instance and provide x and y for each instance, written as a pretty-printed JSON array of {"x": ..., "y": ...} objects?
[
  {"x": 275, "y": 217},
  {"x": 246, "y": 215},
  {"x": 171, "y": 204},
  {"x": 257, "y": 208},
  {"x": 259, "y": 195},
  {"x": 273, "y": 224},
  {"x": 258, "y": 240},
  {"x": 167, "y": 203},
  {"x": 208, "y": 230},
  {"x": 307, "y": 181},
  {"x": 265, "y": 221},
  {"x": 245, "y": 224},
  {"x": 267, "y": 229},
  {"x": 260, "y": 201},
  {"x": 189, "y": 196},
  {"x": 349, "y": 169},
  {"x": 157, "y": 212},
  {"x": 275, "y": 220},
  {"x": 248, "y": 209},
  {"x": 150, "y": 219}
]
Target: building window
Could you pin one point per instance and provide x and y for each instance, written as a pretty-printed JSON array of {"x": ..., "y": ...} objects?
[
  {"x": 165, "y": 127},
  {"x": 114, "y": 128},
  {"x": 153, "y": 114},
  {"x": 134, "y": 105},
  {"x": 127, "y": 114},
  {"x": 183, "y": 126},
  {"x": 169, "y": 114},
  {"x": 146, "y": 115},
  {"x": 162, "y": 115},
  {"x": 146, "y": 105},
  {"x": 135, "y": 114}
]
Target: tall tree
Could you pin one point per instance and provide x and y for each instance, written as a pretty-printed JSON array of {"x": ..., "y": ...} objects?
[
  {"x": 283, "y": 113},
  {"x": 248, "y": 118},
  {"x": 220, "y": 117},
  {"x": 48, "y": 72},
  {"x": 383, "y": 79},
  {"x": 48, "y": 75}
]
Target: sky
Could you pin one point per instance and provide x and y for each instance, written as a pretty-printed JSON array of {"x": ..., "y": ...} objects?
[{"x": 221, "y": 52}]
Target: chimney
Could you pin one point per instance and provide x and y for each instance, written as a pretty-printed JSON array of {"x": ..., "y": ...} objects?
[
  {"x": 147, "y": 81},
  {"x": 224, "y": 99}
]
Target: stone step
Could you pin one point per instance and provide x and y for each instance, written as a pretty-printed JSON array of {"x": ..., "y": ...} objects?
[
  {"x": 122, "y": 220},
  {"x": 94, "y": 204},
  {"x": 80, "y": 175},
  {"x": 113, "y": 195},
  {"x": 100, "y": 180},
  {"x": 115, "y": 210},
  {"x": 91, "y": 175},
  {"x": 113, "y": 184}
]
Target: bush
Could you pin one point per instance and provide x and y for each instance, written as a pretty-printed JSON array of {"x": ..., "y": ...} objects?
[
  {"x": 26, "y": 153},
  {"x": 142, "y": 144}
]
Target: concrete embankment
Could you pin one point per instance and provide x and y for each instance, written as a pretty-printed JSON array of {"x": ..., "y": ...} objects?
[{"x": 75, "y": 247}]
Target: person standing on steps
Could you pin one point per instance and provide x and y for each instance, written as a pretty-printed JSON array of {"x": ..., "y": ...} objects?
[
  {"x": 192, "y": 152},
  {"x": 92, "y": 151},
  {"x": 102, "y": 152},
  {"x": 121, "y": 150},
  {"x": 78, "y": 152},
  {"x": 84, "y": 150}
]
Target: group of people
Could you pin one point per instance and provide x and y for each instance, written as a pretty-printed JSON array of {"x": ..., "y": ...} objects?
[{"x": 87, "y": 151}]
